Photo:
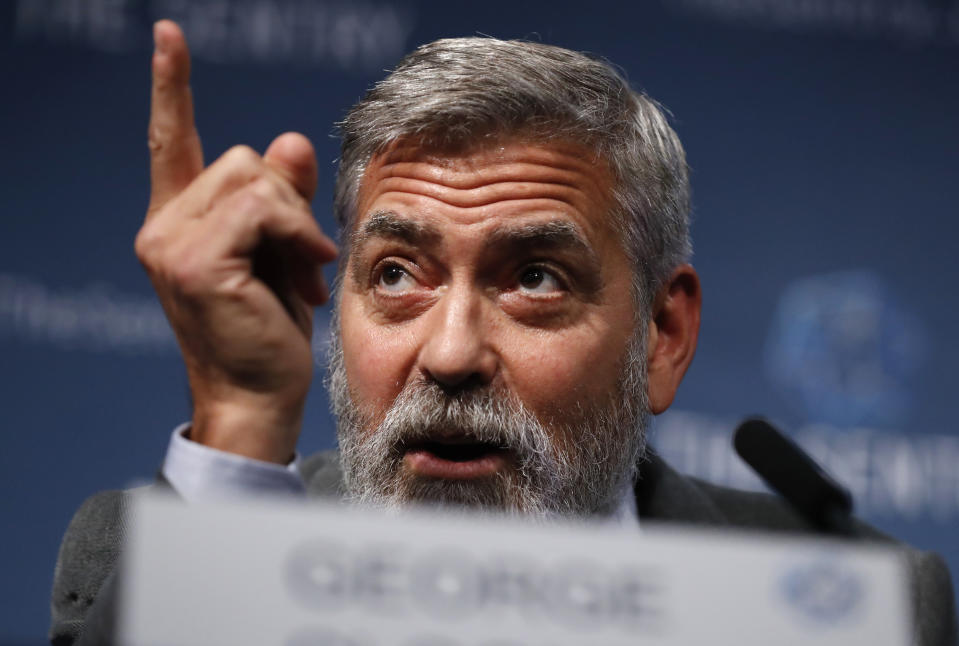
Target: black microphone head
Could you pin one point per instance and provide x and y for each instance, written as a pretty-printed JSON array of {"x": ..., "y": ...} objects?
[{"x": 791, "y": 472}]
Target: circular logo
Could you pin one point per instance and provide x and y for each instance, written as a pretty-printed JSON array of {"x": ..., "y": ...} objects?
[{"x": 844, "y": 351}]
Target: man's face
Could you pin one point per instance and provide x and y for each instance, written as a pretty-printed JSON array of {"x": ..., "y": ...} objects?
[{"x": 489, "y": 351}]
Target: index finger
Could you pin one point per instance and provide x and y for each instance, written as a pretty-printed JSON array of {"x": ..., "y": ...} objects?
[{"x": 176, "y": 156}]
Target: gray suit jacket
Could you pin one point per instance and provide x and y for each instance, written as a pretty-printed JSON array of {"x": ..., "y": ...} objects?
[{"x": 84, "y": 588}]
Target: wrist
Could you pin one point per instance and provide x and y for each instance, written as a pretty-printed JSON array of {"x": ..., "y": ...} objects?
[{"x": 251, "y": 429}]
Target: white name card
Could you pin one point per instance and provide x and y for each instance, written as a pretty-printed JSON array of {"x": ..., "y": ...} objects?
[{"x": 268, "y": 572}]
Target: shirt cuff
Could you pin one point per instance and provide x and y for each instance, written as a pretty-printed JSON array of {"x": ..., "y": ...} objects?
[{"x": 198, "y": 472}]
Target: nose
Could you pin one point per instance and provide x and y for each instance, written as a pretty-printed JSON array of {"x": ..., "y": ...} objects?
[{"x": 456, "y": 353}]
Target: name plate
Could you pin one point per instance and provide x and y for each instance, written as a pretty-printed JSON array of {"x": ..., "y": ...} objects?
[{"x": 266, "y": 572}]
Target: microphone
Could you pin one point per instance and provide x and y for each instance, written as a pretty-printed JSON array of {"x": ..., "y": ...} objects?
[{"x": 795, "y": 476}]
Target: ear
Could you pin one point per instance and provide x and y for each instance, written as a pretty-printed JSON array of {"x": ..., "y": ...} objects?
[{"x": 672, "y": 335}]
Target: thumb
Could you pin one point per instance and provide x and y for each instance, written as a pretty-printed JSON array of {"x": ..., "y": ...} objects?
[{"x": 292, "y": 156}]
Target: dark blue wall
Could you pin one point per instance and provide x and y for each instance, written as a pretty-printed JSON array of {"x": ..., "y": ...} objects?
[{"x": 824, "y": 145}]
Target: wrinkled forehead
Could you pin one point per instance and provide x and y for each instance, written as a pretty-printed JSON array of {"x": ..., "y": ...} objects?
[{"x": 515, "y": 163}]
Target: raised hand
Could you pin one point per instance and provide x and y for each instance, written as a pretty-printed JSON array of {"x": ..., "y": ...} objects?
[{"x": 235, "y": 256}]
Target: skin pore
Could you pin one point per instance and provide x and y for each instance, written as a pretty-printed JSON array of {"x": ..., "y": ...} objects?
[{"x": 489, "y": 288}]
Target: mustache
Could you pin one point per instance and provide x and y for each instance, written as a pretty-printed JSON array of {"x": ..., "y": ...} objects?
[{"x": 425, "y": 412}]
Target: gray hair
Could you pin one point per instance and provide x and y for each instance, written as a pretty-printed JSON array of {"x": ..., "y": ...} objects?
[{"x": 456, "y": 92}]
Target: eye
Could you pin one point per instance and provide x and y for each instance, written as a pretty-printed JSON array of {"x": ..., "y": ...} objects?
[
  {"x": 538, "y": 280},
  {"x": 394, "y": 278}
]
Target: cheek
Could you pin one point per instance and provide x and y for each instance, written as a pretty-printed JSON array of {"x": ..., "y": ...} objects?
[
  {"x": 377, "y": 359},
  {"x": 556, "y": 374}
]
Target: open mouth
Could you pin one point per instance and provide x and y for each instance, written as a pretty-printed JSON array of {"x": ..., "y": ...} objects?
[
  {"x": 455, "y": 459},
  {"x": 460, "y": 451}
]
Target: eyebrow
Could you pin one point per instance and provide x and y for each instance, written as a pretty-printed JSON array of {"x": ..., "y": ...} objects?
[
  {"x": 387, "y": 224},
  {"x": 558, "y": 235}
]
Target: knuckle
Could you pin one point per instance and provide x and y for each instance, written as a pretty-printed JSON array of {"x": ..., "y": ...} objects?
[
  {"x": 178, "y": 265},
  {"x": 146, "y": 244},
  {"x": 250, "y": 202},
  {"x": 266, "y": 189},
  {"x": 301, "y": 204},
  {"x": 242, "y": 156},
  {"x": 157, "y": 136}
]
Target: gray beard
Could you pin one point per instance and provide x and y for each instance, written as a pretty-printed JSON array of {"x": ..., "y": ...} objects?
[{"x": 576, "y": 466}]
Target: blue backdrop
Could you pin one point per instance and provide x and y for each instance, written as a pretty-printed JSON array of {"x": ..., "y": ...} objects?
[{"x": 823, "y": 141}]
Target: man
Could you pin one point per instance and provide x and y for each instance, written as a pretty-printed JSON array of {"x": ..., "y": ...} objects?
[{"x": 513, "y": 300}]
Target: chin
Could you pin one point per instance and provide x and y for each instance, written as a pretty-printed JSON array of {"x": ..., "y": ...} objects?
[{"x": 501, "y": 493}]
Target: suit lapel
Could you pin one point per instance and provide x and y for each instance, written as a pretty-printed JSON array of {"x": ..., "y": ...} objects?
[{"x": 664, "y": 495}]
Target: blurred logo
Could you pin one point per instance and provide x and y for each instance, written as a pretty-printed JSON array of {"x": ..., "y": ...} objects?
[
  {"x": 822, "y": 590},
  {"x": 844, "y": 351},
  {"x": 349, "y": 35}
]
